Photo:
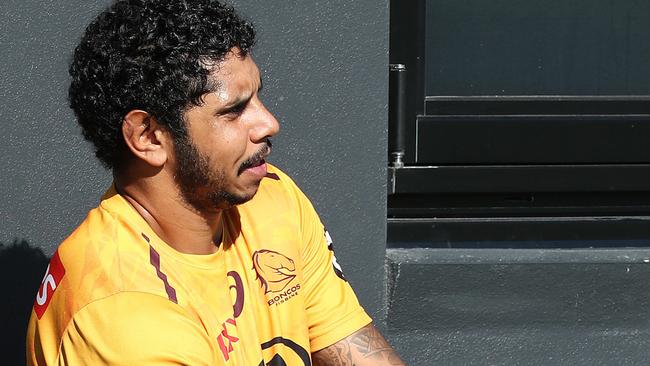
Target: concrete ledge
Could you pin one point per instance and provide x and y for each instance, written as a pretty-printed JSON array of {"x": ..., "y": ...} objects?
[
  {"x": 522, "y": 347},
  {"x": 543, "y": 306},
  {"x": 503, "y": 256}
]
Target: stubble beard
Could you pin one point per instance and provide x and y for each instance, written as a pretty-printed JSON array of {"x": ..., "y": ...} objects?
[{"x": 201, "y": 186}]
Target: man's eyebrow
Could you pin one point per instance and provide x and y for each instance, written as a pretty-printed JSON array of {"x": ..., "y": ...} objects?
[{"x": 235, "y": 105}]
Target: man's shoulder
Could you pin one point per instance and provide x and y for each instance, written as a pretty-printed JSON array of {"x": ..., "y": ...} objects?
[
  {"x": 95, "y": 234},
  {"x": 99, "y": 254}
]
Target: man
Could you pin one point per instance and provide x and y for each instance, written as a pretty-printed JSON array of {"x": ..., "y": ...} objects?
[{"x": 200, "y": 253}]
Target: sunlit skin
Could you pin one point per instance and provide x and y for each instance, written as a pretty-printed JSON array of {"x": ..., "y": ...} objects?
[
  {"x": 228, "y": 134},
  {"x": 227, "y": 129}
]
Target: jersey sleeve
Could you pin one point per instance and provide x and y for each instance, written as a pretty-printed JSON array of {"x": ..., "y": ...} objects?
[
  {"x": 134, "y": 328},
  {"x": 333, "y": 311}
]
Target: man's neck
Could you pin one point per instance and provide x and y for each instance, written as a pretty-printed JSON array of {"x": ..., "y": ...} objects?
[{"x": 174, "y": 221}]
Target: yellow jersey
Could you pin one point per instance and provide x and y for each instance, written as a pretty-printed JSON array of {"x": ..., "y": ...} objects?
[{"x": 114, "y": 293}]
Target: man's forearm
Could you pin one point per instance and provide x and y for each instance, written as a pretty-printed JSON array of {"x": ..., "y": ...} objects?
[{"x": 364, "y": 347}]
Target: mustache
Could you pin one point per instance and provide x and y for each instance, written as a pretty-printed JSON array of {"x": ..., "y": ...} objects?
[{"x": 257, "y": 158}]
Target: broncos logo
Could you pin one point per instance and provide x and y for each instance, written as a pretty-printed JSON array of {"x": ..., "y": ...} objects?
[{"x": 274, "y": 270}]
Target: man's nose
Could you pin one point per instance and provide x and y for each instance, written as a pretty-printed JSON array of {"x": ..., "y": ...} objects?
[{"x": 265, "y": 125}]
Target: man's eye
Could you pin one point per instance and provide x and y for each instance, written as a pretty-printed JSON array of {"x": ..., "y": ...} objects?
[{"x": 236, "y": 110}]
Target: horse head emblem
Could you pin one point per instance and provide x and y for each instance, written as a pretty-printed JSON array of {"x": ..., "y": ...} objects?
[{"x": 274, "y": 270}]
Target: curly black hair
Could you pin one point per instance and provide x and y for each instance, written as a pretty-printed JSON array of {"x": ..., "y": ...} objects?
[{"x": 153, "y": 55}]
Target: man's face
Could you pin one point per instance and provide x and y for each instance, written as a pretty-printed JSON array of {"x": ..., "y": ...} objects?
[{"x": 222, "y": 160}]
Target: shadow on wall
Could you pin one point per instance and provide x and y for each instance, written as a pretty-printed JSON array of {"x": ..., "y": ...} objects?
[{"x": 21, "y": 271}]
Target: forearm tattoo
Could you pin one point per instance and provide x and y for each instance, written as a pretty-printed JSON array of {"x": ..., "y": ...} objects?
[{"x": 365, "y": 347}]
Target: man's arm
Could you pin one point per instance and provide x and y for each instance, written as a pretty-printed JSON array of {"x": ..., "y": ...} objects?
[{"x": 364, "y": 347}]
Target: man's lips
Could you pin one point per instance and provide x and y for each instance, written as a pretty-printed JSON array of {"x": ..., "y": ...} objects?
[
  {"x": 257, "y": 162},
  {"x": 258, "y": 170}
]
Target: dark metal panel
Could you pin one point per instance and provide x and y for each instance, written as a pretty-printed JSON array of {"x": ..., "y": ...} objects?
[
  {"x": 538, "y": 104},
  {"x": 551, "y": 47},
  {"x": 549, "y": 204},
  {"x": 523, "y": 178},
  {"x": 533, "y": 139},
  {"x": 519, "y": 232}
]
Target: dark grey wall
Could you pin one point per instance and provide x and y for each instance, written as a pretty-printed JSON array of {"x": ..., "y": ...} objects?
[
  {"x": 324, "y": 65},
  {"x": 48, "y": 176}
]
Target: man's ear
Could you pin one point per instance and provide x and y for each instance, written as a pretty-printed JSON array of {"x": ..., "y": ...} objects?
[{"x": 146, "y": 139}]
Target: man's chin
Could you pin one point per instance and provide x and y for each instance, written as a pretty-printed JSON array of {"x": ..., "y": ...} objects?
[
  {"x": 249, "y": 195},
  {"x": 227, "y": 200}
]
